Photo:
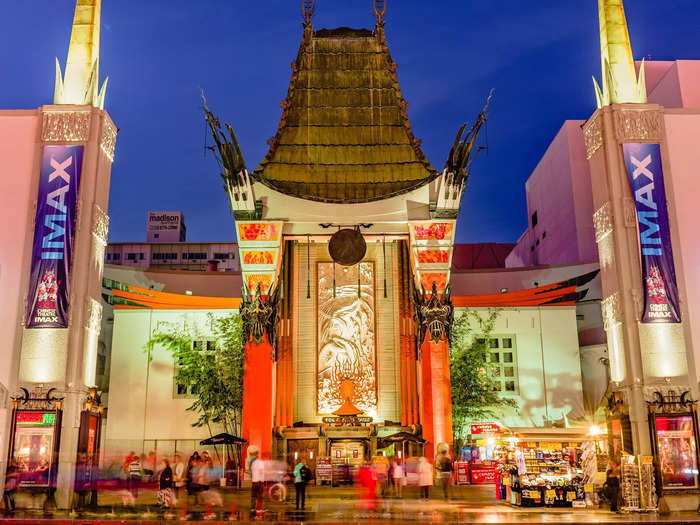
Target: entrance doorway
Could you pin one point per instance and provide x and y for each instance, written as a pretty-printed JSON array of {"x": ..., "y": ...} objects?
[{"x": 346, "y": 458}]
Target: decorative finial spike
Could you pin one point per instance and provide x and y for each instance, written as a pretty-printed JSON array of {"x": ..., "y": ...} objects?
[
  {"x": 380, "y": 11},
  {"x": 80, "y": 81},
  {"x": 620, "y": 81},
  {"x": 307, "y": 8}
]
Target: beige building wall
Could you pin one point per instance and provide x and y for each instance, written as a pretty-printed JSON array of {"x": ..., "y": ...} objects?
[
  {"x": 547, "y": 361},
  {"x": 143, "y": 404}
]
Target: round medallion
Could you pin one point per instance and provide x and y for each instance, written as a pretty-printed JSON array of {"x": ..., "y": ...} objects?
[{"x": 347, "y": 247}]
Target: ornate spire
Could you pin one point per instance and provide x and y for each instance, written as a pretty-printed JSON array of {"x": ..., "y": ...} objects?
[
  {"x": 380, "y": 11},
  {"x": 620, "y": 82},
  {"x": 79, "y": 85},
  {"x": 307, "y": 9}
]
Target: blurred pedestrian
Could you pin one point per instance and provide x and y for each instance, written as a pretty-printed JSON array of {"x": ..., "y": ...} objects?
[
  {"x": 302, "y": 475},
  {"x": 443, "y": 466},
  {"x": 612, "y": 486},
  {"x": 148, "y": 464},
  {"x": 257, "y": 471},
  {"x": 11, "y": 485},
  {"x": 179, "y": 474},
  {"x": 368, "y": 485},
  {"x": 398, "y": 475},
  {"x": 425, "y": 477},
  {"x": 134, "y": 476},
  {"x": 166, "y": 495}
]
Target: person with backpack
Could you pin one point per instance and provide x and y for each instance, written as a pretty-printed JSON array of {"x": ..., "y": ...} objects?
[{"x": 302, "y": 475}]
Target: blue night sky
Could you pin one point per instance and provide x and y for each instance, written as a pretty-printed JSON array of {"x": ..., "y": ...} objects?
[{"x": 538, "y": 56}]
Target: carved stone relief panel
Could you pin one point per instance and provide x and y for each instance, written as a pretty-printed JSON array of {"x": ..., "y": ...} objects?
[
  {"x": 631, "y": 124},
  {"x": 610, "y": 307},
  {"x": 65, "y": 126},
  {"x": 603, "y": 221},
  {"x": 108, "y": 140},
  {"x": 93, "y": 316},
  {"x": 629, "y": 212},
  {"x": 593, "y": 135}
]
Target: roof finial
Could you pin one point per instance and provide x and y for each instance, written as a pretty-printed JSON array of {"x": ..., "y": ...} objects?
[
  {"x": 307, "y": 8},
  {"x": 380, "y": 11},
  {"x": 620, "y": 81},
  {"x": 79, "y": 85}
]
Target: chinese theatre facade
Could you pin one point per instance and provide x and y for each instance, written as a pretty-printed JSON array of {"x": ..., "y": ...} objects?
[{"x": 345, "y": 234}]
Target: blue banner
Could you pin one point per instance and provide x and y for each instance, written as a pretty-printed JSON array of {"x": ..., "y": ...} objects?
[
  {"x": 54, "y": 231},
  {"x": 646, "y": 178}
]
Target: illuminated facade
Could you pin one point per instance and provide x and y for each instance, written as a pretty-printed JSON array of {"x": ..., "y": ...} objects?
[{"x": 57, "y": 157}]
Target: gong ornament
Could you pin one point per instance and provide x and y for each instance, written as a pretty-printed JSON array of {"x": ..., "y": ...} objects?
[{"x": 347, "y": 247}]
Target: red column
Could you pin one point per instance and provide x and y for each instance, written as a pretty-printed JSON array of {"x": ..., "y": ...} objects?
[
  {"x": 436, "y": 400},
  {"x": 257, "y": 396}
]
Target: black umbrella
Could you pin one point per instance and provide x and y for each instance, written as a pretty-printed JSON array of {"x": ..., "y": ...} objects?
[
  {"x": 403, "y": 437},
  {"x": 223, "y": 439}
]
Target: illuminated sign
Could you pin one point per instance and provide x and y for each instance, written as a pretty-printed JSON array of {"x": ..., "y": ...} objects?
[
  {"x": 486, "y": 428},
  {"x": 646, "y": 179},
  {"x": 38, "y": 419}
]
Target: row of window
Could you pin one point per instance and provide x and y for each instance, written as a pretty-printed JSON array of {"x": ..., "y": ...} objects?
[
  {"x": 181, "y": 390},
  {"x": 502, "y": 365},
  {"x": 167, "y": 256}
]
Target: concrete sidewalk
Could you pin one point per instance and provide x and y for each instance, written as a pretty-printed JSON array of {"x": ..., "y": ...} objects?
[{"x": 472, "y": 504}]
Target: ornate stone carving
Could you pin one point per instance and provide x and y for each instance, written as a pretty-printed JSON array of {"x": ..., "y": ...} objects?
[
  {"x": 434, "y": 314},
  {"x": 610, "y": 307},
  {"x": 629, "y": 212},
  {"x": 93, "y": 315},
  {"x": 603, "y": 221},
  {"x": 108, "y": 140},
  {"x": 668, "y": 398},
  {"x": 593, "y": 135},
  {"x": 100, "y": 224},
  {"x": 65, "y": 126},
  {"x": 634, "y": 124},
  {"x": 638, "y": 305},
  {"x": 260, "y": 317}
]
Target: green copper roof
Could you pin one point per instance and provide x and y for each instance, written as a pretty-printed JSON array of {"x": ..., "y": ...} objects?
[{"x": 344, "y": 135}]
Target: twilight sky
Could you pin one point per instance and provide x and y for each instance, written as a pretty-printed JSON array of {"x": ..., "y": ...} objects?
[{"x": 538, "y": 56}]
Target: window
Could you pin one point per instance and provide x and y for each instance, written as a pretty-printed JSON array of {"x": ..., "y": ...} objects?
[
  {"x": 164, "y": 256},
  {"x": 502, "y": 364},
  {"x": 537, "y": 242},
  {"x": 116, "y": 256},
  {"x": 222, "y": 256},
  {"x": 544, "y": 234},
  {"x": 156, "y": 235},
  {"x": 534, "y": 219},
  {"x": 180, "y": 390},
  {"x": 194, "y": 255},
  {"x": 131, "y": 256},
  {"x": 142, "y": 256}
]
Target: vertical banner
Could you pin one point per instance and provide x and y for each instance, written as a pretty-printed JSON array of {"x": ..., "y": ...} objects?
[
  {"x": 646, "y": 178},
  {"x": 54, "y": 231}
]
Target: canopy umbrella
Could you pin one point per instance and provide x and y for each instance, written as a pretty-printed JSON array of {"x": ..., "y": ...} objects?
[
  {"x": 223, "y": 439},
  {"x": 403, "y": 438}
]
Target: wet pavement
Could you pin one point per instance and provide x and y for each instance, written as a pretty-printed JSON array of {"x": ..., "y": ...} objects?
[{"x": 472, "y": 504}]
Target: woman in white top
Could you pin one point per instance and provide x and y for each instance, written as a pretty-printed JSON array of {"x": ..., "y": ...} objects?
[{"x": 399, "y": 477}]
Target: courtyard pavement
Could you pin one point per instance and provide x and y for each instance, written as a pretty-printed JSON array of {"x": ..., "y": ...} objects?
[{"x": 471, "y": 504}]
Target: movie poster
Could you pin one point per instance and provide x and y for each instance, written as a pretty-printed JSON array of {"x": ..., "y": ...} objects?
[
  {"x": 54, "y": 231},
  {"x": 646, "y": 178}
]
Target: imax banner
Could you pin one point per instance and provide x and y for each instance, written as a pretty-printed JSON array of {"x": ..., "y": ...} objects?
[
  {"x": 54, "y": 229},
  {"x": 646, "y": 178}
]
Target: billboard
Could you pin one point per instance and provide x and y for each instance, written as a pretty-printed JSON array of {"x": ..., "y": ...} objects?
[
  {"x": 646, "y": 178},
  {"x": 165, "y": 226},
  {"x": 54, "y": 232}
]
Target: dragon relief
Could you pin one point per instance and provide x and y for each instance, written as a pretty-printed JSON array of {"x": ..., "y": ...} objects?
[
  {"x": 434, "y": 314},
  {"x": 260, "y": 316}
]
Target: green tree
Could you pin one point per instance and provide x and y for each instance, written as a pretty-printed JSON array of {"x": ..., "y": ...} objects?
[
  {"x": 213, "y": 375},
  {"x": 475, "y": 393}
]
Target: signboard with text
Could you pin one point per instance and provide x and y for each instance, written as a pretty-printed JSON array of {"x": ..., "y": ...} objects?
[
  {"x": 486, "y": 428},
  {"x": 54, "y": 232},
  {"x": 646, "y": 178}
]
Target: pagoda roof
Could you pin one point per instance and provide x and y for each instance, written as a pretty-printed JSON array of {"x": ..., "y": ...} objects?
[{"x": 344, "y": 135}]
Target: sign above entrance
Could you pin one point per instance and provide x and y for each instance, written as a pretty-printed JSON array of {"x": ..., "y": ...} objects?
[{"x": 486, "y": 428}]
